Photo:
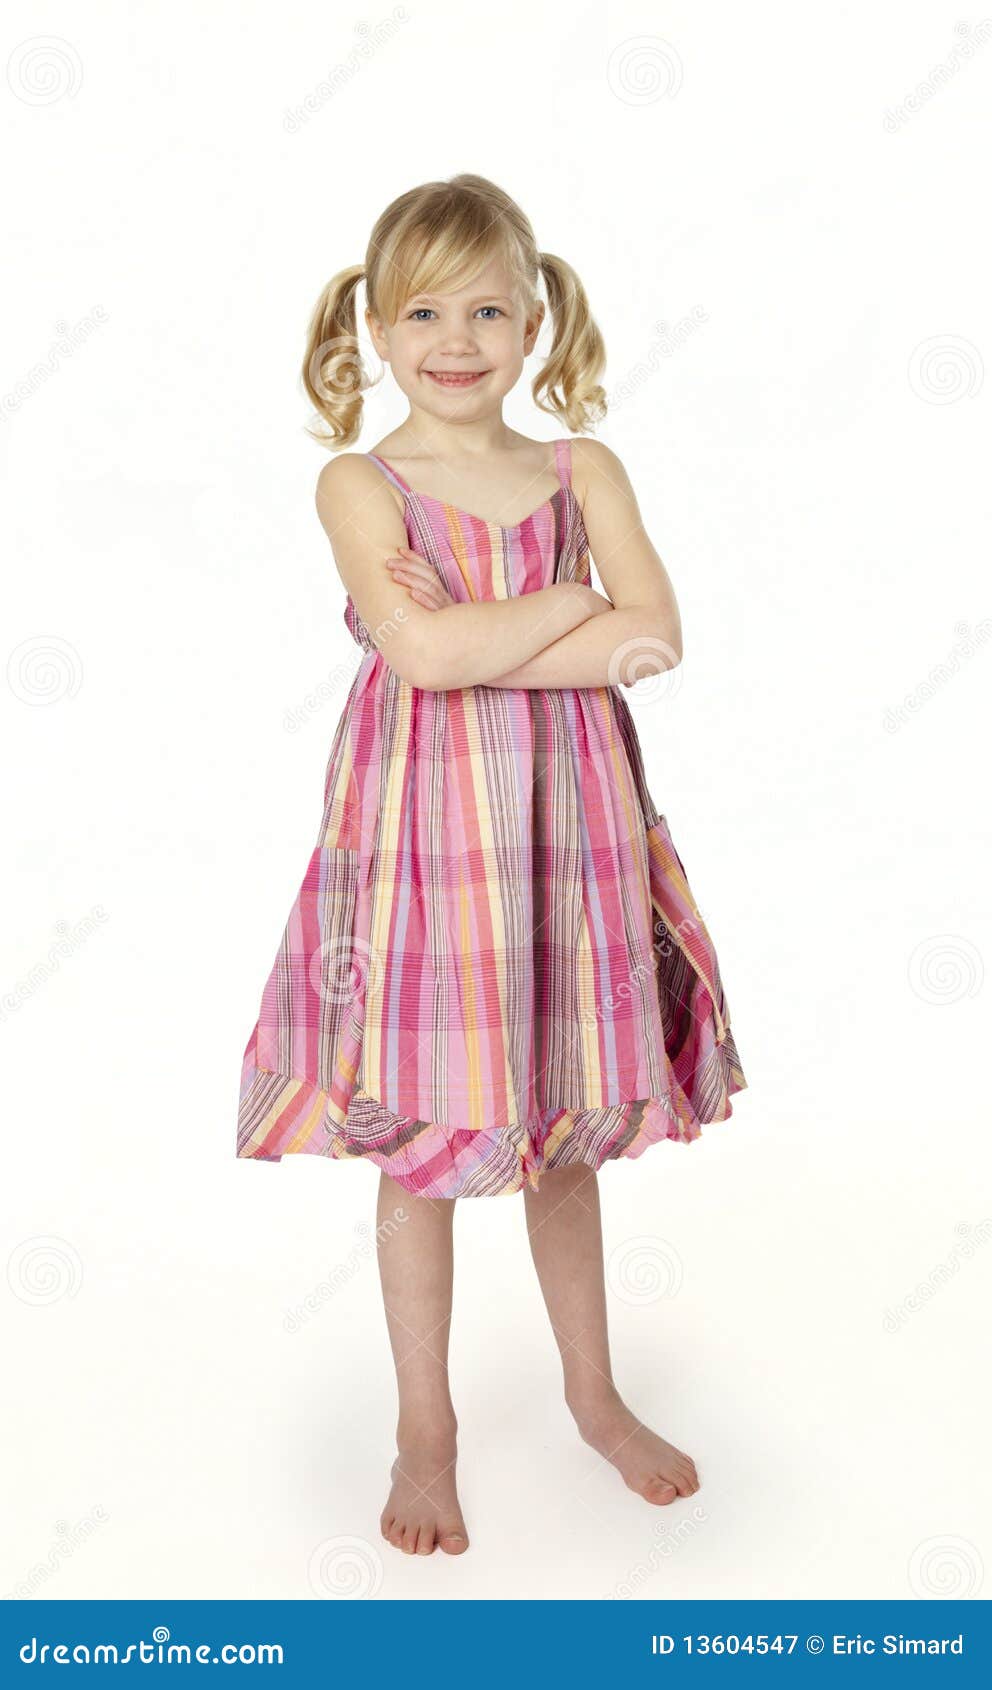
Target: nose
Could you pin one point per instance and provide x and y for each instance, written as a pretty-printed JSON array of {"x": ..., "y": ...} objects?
[{"x": 457, "y": 338}]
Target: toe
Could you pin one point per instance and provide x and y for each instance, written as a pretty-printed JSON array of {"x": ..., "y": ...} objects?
[
  {"x": 452, "y": 1540},
  {"x": 660, "y": 1491},
  {"x": 425, "y": 1540},
  {"x": 683, "y": 1476},
  {"x": 410, "y": 1540},
  {"x": 396, "y": 1534}
]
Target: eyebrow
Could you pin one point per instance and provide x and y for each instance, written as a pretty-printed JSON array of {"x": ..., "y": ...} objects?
[{"x": 480, "y": 299}]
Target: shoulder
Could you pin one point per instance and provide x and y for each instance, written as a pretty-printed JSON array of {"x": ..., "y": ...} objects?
[
  {"x": 346, "y": 473},
  {"x": 347, "y": 479},
  {"x": 595, "y": 467}
]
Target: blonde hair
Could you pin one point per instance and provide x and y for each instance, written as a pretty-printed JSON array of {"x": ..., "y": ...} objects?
[{"x": 437, "y": 237}]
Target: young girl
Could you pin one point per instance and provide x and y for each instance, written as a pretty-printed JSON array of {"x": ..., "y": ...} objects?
[{"x": 494, "y": 977}]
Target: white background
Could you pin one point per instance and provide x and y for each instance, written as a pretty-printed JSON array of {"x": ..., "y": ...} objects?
[{"x": 800, "y": 1298}]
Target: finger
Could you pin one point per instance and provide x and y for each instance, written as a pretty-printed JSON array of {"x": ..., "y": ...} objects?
[
  {"x": 426, "y": 581},
  {"x": 417, "y": 567},
  {"x": 417, "y": 589},
  {"x": 422, "y": 594}
]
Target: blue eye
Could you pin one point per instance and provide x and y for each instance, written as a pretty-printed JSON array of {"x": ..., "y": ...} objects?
[{"x": 419, "y": 311}]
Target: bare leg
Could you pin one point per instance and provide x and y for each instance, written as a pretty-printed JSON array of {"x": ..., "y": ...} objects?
[
  {"x": 416, "y": 1270},
  {"x": 566, "y": 1241}
]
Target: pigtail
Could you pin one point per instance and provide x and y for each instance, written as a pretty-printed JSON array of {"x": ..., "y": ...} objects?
[
  {"x": 333, "y": 373},
  {"x": 577, "y": 359},
  {"x": 434, "y": 237}
]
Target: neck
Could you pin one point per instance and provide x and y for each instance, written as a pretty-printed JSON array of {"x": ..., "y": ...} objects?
[{"x": 424, "y": 435}]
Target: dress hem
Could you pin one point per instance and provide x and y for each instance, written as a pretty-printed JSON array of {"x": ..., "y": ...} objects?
[{"x": 431, "y": 1160}]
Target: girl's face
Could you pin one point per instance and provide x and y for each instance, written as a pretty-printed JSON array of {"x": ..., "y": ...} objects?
[{"x": 455, "y": 355}]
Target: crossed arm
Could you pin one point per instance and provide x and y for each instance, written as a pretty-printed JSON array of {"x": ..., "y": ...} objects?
[{"x": 565, "y": 635}]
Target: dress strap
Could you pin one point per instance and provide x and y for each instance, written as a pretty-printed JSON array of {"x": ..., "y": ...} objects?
[
  {"x": 563, "y": 459},
  {"x": 393, "y": 474}
]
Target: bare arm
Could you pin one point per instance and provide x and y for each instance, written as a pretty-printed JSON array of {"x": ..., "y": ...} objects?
[
  {"x": 463, "y": 644},
  {"x": 609, "y": 650},
  {"x": 642, "y": 633}
]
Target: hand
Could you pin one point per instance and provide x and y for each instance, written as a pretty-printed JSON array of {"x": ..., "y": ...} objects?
[{"x": 421, "y": 581}]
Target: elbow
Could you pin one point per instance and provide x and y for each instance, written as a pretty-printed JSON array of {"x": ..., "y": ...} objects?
[
  {"x": 413, "y": 647},
  {"x": 653, "y": 650},
  {"x": 429, "y": 676},
  {"x": 424, "y": 663},
  {"x": 665, "y": 633}
]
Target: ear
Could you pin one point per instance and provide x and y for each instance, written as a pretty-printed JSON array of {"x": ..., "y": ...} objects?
[
  {"x": 377, "y": 335},
  {"x": 532, "y": 327}
]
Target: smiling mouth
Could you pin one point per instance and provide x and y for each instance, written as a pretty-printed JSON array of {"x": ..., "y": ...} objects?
[{"x": 456, "y": 378}]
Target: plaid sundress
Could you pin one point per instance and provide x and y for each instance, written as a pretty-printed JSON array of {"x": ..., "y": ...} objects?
[{"x": 494, "y": 965}]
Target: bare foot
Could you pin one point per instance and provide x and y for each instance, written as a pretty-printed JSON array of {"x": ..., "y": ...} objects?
[
  {"x": 655, "y": 1469},
  {"x": 422, "y": 1509}
]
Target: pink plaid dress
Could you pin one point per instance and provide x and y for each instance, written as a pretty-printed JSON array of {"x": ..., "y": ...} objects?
[{"x": 494, "y": 964}]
